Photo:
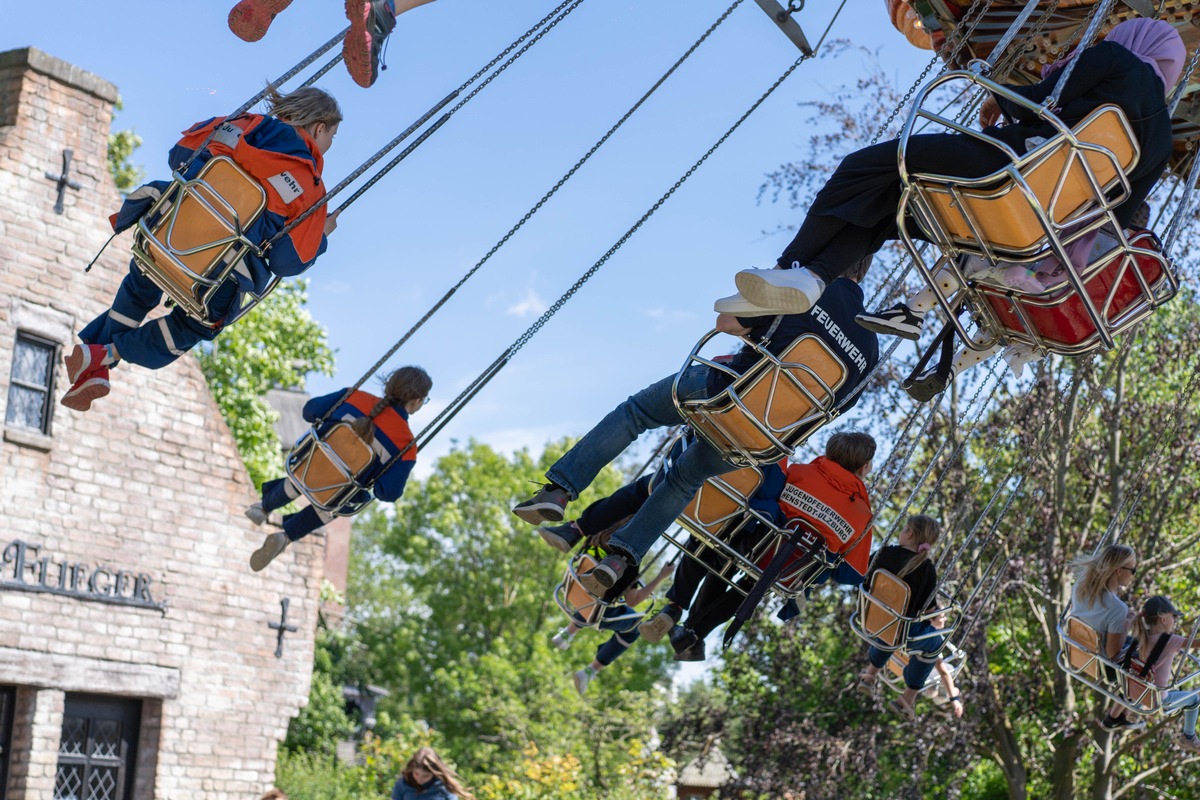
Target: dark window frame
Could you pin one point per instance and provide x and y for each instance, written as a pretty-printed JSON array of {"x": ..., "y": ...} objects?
[
  {"x": 48, "y": 405},
  {"x": 8, "y": 700},
  {"x": 99, "y": 708}
]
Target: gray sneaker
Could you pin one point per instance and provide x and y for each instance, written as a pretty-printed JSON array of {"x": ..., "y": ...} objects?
[
  {"x": 561, "y": 537},
  {"x": 658, "y": 626},
  {"x": 548, "y": 505},
  {"x": 604, "y": 575},
  {"x": 256, "y": 514},
  {"x": 275, "y": 544}
]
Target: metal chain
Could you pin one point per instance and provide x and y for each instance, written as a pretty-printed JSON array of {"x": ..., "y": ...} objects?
[{"x": 536, "y": 206}]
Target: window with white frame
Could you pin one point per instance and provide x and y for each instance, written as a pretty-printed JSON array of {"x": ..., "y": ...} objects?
[{"x": 30, "y": 387}]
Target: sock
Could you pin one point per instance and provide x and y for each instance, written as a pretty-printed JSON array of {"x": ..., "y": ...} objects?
[
  {"x": 110, "y": 357},
  {"x": 591, "y": 671}
]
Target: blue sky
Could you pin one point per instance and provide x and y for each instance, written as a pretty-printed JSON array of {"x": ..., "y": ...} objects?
[{"x": 410, "y": 238}]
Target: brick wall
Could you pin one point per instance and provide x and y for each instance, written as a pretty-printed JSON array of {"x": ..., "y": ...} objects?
[{"x": 149, "y": 480}]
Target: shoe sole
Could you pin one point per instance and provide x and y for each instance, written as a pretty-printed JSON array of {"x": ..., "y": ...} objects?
[
  {"x": 263, "y": 556},
  {"x": 689, "y": 656},
  {"x": 926, "y": 390},
  {"x": 81, "y": 399},
  {"x": 554, "y": 540},
  {"x": 537, "y": 513},
  {"x": 357, "y": 46},
  {"x": 77, "y": 362},
  {"x": 580, "y": 690},
  {"x": 879, "y": 325},
  {"x": 764, "y": 294},
  {"x": 250, "y": 19},
  {"x": 657, "y": 628},
  {"x": 597, "y": 582}
]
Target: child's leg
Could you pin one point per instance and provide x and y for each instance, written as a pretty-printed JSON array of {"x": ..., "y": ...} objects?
[
  {"x": 968, "y": 358},
  {"x": 618, "y": 643},
  {"x": 1189, "y": 720},
  {"x": 161, "y": 341},
  {"x": 136, "y": 296},
  {"x": 301, "y": 524},
  {"x": 278, "y": 493},
  {"x": 924, "y": 301}
]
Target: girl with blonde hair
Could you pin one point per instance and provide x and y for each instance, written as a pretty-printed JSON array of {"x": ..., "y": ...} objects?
[
  {"x": 1094, "y": 599},
  {"x": 381, "y": 422},
  {"x": 426, "y": 777}
]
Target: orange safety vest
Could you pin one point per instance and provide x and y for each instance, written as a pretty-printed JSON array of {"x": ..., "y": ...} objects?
[{"x": 834, "y": 502}]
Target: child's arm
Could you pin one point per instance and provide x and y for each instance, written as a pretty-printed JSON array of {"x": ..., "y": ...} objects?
[
  {"x": 637, "y": 595},
  {"x": 320, "y": 406},
  {"x": 390, "y": 485},
  {"x": 948, "y": 681}
]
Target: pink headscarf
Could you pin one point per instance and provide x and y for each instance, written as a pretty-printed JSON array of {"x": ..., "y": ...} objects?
[{"x": 1154, "y": 41}]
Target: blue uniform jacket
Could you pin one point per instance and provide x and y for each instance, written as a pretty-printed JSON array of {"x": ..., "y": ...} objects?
[{"x": 392, "y": 435}]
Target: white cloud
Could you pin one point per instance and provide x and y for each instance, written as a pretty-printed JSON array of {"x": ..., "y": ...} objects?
[{"x": 528, "y": 306}]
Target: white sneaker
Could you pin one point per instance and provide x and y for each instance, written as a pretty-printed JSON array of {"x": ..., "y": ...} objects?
[
  {"x": 790, "y": 291},
  {"x": 256, "y": 514},
  {"x": 274, "y": 544},
  {"x": 738, "y": 306},
  {"x": 582, "y": 679},
  {"x": 562, "y": 640}
]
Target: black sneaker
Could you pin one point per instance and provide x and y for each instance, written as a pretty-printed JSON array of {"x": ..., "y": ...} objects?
[
  {"x": 371, "y": 21},
  {"x": 899, "y": 320},
  {"x": 682, "y": 638},
  {"x": 928, "y": 385},
  {"x": 1121, "y": 723},
  {"x": 561, "y": 537},
  {"x": 660, "y": 624},
  {"x": 693, "y": 653},
  {"x": 548, "y": 505},
  {"x": 604, "y": 575}
]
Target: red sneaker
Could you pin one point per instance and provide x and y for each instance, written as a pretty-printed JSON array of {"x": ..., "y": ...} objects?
[
  {"x": 84, "y": 359},
  {"x": 91, "y": 386},
  {"x": 250, "y": 19},
  {"x": 370, "y": 23}
]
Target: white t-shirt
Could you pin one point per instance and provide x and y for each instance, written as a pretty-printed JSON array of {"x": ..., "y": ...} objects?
[{"x": 1107, "y": 616}]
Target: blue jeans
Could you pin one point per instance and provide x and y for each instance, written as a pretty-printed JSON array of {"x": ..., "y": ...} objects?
[
  {"x": 650, "y": 408},
  {"x": 1190, "y": 701},
  {"x": 916, "y": 672},
  {"x": 625, "y": 633}
]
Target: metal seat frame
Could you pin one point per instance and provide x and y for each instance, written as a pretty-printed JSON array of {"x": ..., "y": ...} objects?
[
  {"x": 1059, "y": 226},
  {"x": 705, "y": 416},
  {"x": 892, "y": 676},
  {"x": 735, "y": 565},
  {"x": 594, "y": 610},
  {"x": 162, "y": 225},
  {"x": 1127, "y": 690},
  {"x": 349, "y": 487},
  {"x": 902, "y": 624}
]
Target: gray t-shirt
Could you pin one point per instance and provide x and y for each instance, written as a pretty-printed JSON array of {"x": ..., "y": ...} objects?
[{"x": 1106, "y": 616}]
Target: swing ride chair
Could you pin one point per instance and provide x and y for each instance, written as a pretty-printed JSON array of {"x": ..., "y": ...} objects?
[
  {"x": 581, "y": 606},
  {"x": 1055, "y": 194},
  {"x": 193, "y": 239},
  {"x": 770, "y": 409},
  {"x": 880, "y": 621},
  {"x": 893, "y": 676},
  {"x": 331, "y": 470},
  {"x": 718, "y": 514},
  {"x": 1079, "y": 656}
]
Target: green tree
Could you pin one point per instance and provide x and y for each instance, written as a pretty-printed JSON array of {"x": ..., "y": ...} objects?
[
  {"x": 452, "y": 600},
  {"x": 273, "y": 346},
  {"x": 121, "y": 145}
]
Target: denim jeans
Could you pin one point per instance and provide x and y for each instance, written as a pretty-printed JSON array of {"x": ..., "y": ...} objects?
[
  {"x": 650, "y": 408},
  {"x": 1190, "y": 701},
  {"x": 916, "y": 672}
]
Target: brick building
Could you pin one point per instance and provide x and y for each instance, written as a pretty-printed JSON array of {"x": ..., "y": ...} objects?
[{"x": 137, "y": 657}]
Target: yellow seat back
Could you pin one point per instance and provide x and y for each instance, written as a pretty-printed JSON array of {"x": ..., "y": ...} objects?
[
  {"x": 897, "y": 663},
  {"x": 199, "y": 231},
  {"x": 772, "y": 396},
  {"x": 722, "y": 498},
  {"x": 1083, "y": 648},
  {"x": 881, "y": 616},
  {"x": 578, "y": 598},
  {"x": 1055, "y": 174},
  {"x": 335, "y": 463}
]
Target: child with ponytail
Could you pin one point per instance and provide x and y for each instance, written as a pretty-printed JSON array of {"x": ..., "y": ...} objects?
[
  {"x": 1156, "y": 644},
  {"x": 909, "y": 560},
  {"x": 381, "y": 422}
]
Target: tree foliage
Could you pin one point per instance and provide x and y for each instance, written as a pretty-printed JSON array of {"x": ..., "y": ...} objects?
[
  {"x": 121, "y": 144},
  {"x": 274, "y": 346}
]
